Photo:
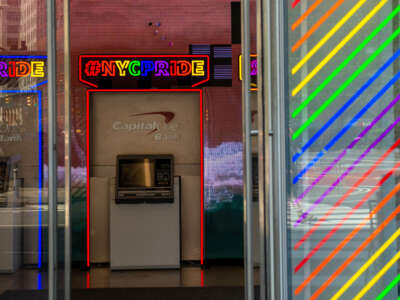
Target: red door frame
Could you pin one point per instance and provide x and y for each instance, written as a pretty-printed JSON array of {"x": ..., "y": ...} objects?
[{"x": 88, "y": 92}]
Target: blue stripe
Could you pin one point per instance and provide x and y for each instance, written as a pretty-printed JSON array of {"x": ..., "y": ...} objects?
[
  {"x": 38, "y": 84},
  {"x": 348, "y": 126},
  {"x": 40, "y": 177},
  {"x": 40, "y": 161},
  {"x": 24, "y": 56},
  {"x": 39, "y": 281},
  {"x": 309, "y": 165},
  {"x": 346, "y": 105}
]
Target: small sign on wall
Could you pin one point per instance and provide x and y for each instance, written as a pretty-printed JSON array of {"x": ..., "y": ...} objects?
[
  {"x": 220, "y": 61},
  {"x": 158, "y": 126}
]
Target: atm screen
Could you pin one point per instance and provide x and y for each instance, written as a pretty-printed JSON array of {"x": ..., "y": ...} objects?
[{"x": 144, "y": 173}]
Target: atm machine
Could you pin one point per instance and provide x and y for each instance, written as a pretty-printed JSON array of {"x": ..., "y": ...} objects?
[
  {"x": 144, "y": 179},
  {"x": 145, "y": 215}
]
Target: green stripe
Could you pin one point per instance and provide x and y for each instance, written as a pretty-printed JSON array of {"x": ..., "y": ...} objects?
[
  {"x": 346, "y": 84},
  {"x": 345, "y": 62},
  {"x": 389, "y": 288}
]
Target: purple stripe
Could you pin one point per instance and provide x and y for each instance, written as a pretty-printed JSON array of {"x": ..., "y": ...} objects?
[
  {"x": 322, "y": 175},
  {"x": 358, "y": 160},
  {"x": 350, "y": 146}
]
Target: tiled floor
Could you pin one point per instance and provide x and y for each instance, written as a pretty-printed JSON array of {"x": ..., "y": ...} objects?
[{"x": 102, "y": 277}]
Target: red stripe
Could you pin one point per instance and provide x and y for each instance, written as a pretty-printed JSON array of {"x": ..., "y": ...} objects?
[
  {"x": 348, "y": 238},
  {"x": 336, "y": 228},
  {"x": 295, "y": 2},
  {"x": 344, "y": 197},
  {"x": 201, "y": 182},
  {"x": 361, "y": 248},
  {"x": 87, "y": 182},
  {"x": 88, "y": 156}
]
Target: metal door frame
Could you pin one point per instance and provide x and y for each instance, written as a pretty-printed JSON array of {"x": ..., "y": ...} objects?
[
  {"x": 272, "y": 144},
  {"x": 51, "y": 24},
  {"x": 272, "y": 93}
]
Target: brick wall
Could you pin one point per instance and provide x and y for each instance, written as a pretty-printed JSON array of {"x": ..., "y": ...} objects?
[
  {"x": 103, "y": 26},
  {"x": 123, "y": 25}
]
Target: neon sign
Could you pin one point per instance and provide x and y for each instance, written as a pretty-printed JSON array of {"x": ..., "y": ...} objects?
[
  {"x": 253, "y": 70},
  {"x": 14, "y": 67},
  {"x": 131, "y": 68},
  {"x": 21, "y": 69}
]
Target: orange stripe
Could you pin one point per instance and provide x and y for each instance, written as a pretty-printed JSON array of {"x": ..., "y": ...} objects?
[
  {"x": 358, "y": 251},
  {"x": 351, "y": 190},
  {"x": 316, "y": 25},
  {"x": 345, "y": 241},
  {"x": 306, "y": 14}
]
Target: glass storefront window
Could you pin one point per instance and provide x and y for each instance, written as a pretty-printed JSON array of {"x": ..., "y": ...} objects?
[
  {"x": 23, "y": 136},
  {"x": 343, "y": 149},
  {"x": 150, "y": 79}
]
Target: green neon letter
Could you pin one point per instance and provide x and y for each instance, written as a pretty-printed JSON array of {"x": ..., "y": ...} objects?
[{"x": 131, "y": 68}]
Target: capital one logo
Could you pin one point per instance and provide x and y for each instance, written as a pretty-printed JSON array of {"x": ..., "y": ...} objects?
[{"x": 146, "y": 125}]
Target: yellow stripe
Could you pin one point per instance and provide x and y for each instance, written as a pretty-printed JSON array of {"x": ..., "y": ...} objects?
[
  {"x": 240, "y": 67},
  {"x": 366, "y": 265},
  {"x": 336, "y": 49},
  {"x": 377, "y": 277},
  {"x": 328, "y": 36}
]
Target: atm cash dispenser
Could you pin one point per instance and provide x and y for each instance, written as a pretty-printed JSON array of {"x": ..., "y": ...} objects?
[
  {"x": 145, "y": 216},
  {"x": 144, "y": 179}
]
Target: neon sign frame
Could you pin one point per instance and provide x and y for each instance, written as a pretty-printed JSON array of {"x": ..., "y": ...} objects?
[
  {"x": 91, "y": 91},
  {"x": 40, "y": 164},
  {"x": 205, "y": 57}
]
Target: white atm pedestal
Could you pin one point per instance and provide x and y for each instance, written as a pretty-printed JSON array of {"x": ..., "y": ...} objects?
[{"x": 146, "y": 236}]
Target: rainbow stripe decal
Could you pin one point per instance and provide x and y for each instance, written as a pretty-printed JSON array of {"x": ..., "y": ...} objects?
[{"x": 345, "y": 85}]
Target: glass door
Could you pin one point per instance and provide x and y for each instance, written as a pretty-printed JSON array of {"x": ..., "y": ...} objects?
[
  {"x": 152, "y": 79},
  {"x": 341, "y": 64},
  {"x": 31, "y": 193}
]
